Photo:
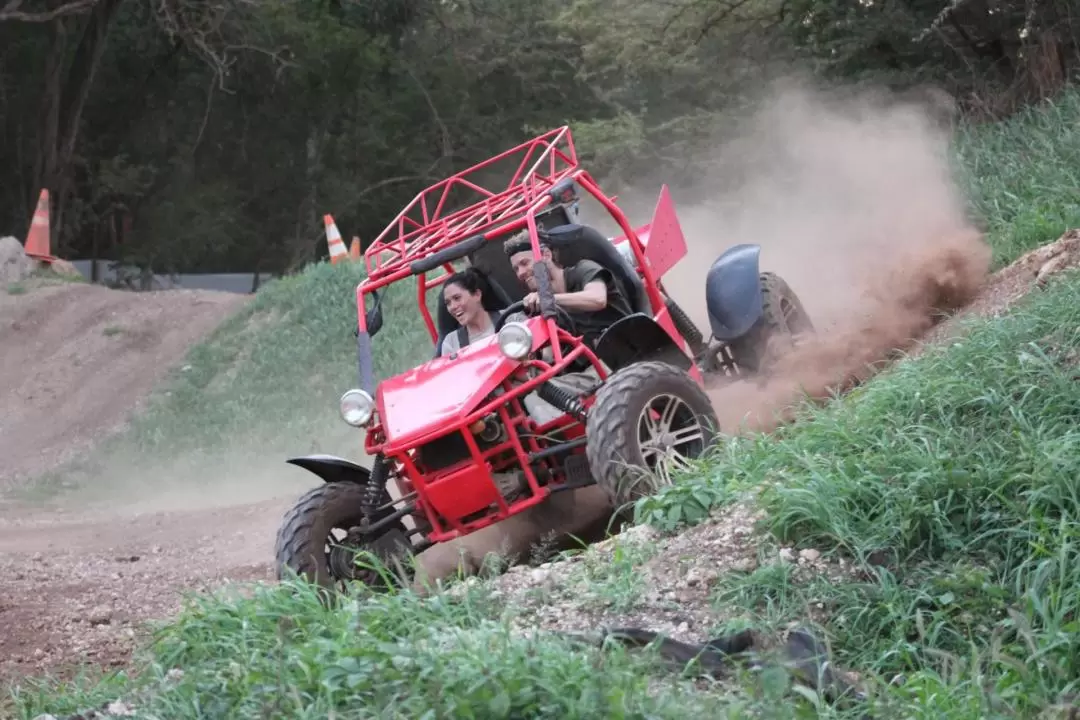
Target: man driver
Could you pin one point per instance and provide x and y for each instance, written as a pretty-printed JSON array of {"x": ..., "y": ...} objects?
[
  {"x": 588, "y": 293},
  {"x": 586, "y": 290}
]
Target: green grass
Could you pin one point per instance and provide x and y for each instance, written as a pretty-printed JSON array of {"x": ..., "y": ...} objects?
[
  {"x": 1024, "y": 175},
  {"x": 951, "y": 483},
  {"x": 281, "y": 654}
]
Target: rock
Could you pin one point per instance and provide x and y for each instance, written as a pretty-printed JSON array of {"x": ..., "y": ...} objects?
[
  {"x": 786, "y": 554},
  {"x": 120, "y": 709},
  {"x": 809, "y": 554},
  {"x": 539, "y": 575},
  {"x": 14, "y": 263},
  {"x": 64, "y": 268},
  {"x": 744, "y": 565},
  {"x": 99, "y": 615}
]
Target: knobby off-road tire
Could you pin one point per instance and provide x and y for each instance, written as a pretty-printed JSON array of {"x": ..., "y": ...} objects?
[
  {"x": 305, "y": 531},
  {"x": 617, "y": 447},
  {"x": 783, "y": 318}
]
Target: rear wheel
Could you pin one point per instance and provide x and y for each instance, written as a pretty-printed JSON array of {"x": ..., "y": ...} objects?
[
  {"x": 648, "y": 420},
  {"x": 317, "y": 539},
  {"x": 783, "y": 318}
]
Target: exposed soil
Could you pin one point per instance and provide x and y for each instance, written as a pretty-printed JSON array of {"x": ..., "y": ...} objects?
[
  {"x": 77, "y": 588},
  {"x": 76, "y": 360},
  {"x": 80, "y": 589}
]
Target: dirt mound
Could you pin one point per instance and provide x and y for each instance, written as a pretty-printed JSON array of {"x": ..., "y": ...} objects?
[
  {"x": 1027, "y": 273},
  {"x": 77, "y": 359}
]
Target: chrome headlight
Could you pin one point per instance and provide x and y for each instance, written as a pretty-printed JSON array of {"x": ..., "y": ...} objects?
[
  {"x": 357, "y": 408},
  {"x": 515, "y": 340}
]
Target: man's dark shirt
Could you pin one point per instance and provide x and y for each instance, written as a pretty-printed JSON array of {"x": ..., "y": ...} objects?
[{"x": 592, "y": 324}]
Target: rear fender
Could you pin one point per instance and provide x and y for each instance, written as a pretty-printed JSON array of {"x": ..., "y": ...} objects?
[
  {"x": 667, "y": 244},
  {"x": 332, "y": 469},
  {"x": 635, "y": 338},
  {"x": 733, "y": 292}
]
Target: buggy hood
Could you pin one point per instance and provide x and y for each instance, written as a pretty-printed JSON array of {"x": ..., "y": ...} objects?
[{"x": 430, "y": 397}]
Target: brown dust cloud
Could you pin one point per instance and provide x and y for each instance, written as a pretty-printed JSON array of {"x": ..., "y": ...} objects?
[{"x": 854, "y": 203}]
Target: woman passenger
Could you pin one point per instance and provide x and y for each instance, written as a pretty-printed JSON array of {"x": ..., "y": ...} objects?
[{"x": 463, "y": 293}]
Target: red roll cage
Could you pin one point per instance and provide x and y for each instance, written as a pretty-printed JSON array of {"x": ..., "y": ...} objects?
[{"x": 424, "y": 227}]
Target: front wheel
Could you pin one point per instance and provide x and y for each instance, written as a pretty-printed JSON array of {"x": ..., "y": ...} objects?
[
  {"x": 648, "y": 420},
  {"x": 306, "y": 543}
]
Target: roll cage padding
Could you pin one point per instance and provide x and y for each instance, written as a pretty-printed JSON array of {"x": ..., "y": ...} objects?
[
  {"x": 574, "y": 242},
  {"x": 494, "y": 299}
]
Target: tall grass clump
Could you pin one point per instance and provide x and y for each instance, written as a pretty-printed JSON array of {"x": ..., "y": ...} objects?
[
  {"x": 281, "y": 653},
  {"x": 951, "y": 483},
  {"x": 1024, "y": 175}
]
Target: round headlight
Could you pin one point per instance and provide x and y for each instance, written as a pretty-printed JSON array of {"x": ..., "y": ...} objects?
[
  {"x": 515, "y": 340},
  {"x": 357, "y": 408}
]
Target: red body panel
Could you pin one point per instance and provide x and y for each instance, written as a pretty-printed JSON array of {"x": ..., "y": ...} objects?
[
  {"x": 663, "y": 238},
  {"x": 462, "y": 492},
  {"x": 439, "y": 394}
]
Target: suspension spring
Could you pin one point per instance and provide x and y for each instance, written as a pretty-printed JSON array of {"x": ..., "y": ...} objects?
[
  {"x": 375, "y": 492},
  {"x": 565, "y": 400}
]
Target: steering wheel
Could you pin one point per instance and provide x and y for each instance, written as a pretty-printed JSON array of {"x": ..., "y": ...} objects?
[{"x": 564, "y": 319}]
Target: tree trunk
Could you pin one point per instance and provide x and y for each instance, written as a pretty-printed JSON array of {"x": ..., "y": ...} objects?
[{"x": 64, "y": 97}]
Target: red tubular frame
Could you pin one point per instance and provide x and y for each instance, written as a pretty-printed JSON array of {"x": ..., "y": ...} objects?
[{"x": 525, "y": 195}]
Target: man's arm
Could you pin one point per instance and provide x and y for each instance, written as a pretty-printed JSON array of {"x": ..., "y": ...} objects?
[{"x": 591, "y": 298}]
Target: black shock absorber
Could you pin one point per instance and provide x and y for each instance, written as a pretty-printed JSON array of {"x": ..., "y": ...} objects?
[
  {"x": 375, "y": 494},
  {"x": 565, "y": 400}
]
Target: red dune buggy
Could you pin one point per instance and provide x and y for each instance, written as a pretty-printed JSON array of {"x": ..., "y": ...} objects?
[{"x": 447, "y": 432}]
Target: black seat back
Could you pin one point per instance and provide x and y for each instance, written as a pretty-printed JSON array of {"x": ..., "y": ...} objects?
[
  {"x": 491, "y": 257},
  {"x": 574, "y": 242}
]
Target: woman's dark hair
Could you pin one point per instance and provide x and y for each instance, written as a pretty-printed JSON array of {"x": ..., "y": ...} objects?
[{"x": 470, "y": 279}]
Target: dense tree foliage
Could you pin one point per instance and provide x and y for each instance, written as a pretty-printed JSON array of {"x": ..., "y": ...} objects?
[{"x": 211, "y": 136}]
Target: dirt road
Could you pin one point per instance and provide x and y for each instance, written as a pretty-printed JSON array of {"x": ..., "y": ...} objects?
[{"x": 78, "y": 589}]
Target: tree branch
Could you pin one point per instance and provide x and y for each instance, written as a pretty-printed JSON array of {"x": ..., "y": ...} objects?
[{"x": 11, "y": 11}]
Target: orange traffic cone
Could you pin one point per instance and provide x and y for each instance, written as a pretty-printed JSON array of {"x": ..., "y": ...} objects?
[
  {"x": 354, "y": 249},
  {"x": 333, "y": 240},
  {"x": 37, "y": 239}
]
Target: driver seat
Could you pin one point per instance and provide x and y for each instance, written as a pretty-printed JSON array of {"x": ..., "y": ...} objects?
[
  {"x": 494, "y": 299},
  {"x": 575, "y": 242}
]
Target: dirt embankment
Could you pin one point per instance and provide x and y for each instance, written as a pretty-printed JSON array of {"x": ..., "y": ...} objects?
[{"x": 76, "y": 360}]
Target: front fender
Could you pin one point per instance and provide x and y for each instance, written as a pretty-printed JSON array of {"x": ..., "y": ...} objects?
[
  {"x": 332, "y": 469},
  {"x": 733, "y": 292},
  {"x": 636, "y": 338}
]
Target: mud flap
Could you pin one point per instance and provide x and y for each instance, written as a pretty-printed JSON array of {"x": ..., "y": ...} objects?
[
  {"x": 332, "y": 469},
  {"x": 733, "y": 292},
  {"x": 667, "y": 243}
]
